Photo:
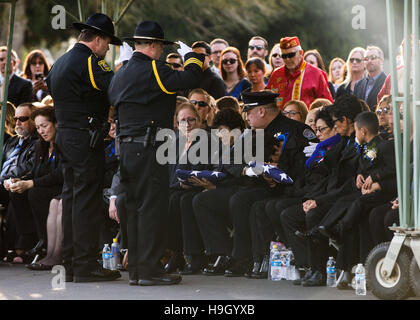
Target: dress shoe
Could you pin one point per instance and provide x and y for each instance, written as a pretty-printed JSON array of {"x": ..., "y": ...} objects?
[
  {"x": 306, "y": 276},
  {"x": 301, "y": 234},
  {"x": 196, "y": 265},
  {"x": 38, "y": 266},
  {"x": 254, "y": 271},
  {"x": 239, "y": 269},
  {"x": 99, "y": 274},
  {"x": 219, "y": 267},
  {"x": 163, "y": 280},
  {"x": 37, "y": 249},
  {"x": 176, "y": 262},
  {"x": 316, "y": 280},
  {"x": 262, "y": 271},
  {"x": 344, "y": 281},
  {"x": 332, "y": 233}
]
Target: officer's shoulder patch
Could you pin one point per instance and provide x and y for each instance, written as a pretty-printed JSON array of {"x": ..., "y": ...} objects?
[
  {"x": 104, "y": 66},
  {"x": 309, "y": 134}
]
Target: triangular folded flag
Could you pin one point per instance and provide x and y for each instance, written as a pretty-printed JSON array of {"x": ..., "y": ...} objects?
[
  {"x": 273, "y": 172},
  {"x": 212, "y": 176}
]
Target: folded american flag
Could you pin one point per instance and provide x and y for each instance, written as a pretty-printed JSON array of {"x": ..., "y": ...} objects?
[
  {"x": 212, "y": 176},
  {"x": 273, "y": 172}
]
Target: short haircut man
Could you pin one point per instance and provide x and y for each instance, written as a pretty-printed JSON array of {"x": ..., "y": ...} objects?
[{"x": 257, "y": 47}]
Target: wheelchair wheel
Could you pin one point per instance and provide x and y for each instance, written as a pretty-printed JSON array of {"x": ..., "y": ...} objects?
[
  {"x": 397, "y": 286},
  {"x": 415, "y": 277}
]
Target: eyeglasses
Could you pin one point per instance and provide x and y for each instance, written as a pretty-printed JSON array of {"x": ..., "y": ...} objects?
[
  {"x": 292, "y": 113},
  {"x": 382, "y": 110},
  {"x": 288, "y": 55},
  {"x": 176, "y": 65},
  {"x": 321, "y": 130},
  {"x": 21, "y": 119},
  {"x": 230, "y": 61},
  {"x": 200, "y": 103},
  {"x": 275, "y": 55},
  {"x": 371, "y": 58},
  {"x": 357, "y": 60},
  {"x": 188, "y": 120},
  {"x": 256, "y": 47}
]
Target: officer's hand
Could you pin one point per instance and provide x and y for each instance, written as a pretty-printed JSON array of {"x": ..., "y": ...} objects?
[
  {"x": 113, "y": 213},
  {"x": 269, "y": 180},
  {"x": 184, "y": 49},
  {"x": 125, "y": 52},
  {"x": 360, "y": 180}
]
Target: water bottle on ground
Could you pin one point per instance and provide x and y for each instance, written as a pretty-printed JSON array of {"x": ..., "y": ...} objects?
[
  {"x": 115, "y": 254},
  {"x": 276, "y": 265},
  {"x": 331, "y": 273},
  {"x": 106, "y": 257},
  {"x": 360, "y": 280}
]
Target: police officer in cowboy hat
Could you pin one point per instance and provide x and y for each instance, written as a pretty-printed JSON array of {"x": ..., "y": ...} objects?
[
  {"x": 78, "y": 82},
  {"x": 143, "y": 92}
]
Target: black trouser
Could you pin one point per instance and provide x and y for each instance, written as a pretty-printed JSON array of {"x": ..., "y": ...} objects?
[
  {"x": 265, "y": 224},
  {"x": 39, "y": 201},
  {"x": 240, "y": 207},
  {"x": 24, "y": 221},
  {"x": 8, "y": 232},
  {"x": 211, "y": 210},
  {"x": 83, "y": 170},
  {"x": 380, "y": 219},
  {"x": 122, "y": 214},
  {"x": 174, "y": 232},
  {"x": 146, "y": 186},
  {"x": 192, "y": 239}
]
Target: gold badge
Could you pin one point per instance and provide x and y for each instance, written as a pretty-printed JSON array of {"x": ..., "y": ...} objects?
[{"x": 104, "y": 66}]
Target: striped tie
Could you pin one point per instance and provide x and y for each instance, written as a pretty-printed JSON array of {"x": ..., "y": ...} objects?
[{"x": 12, "y": 157}]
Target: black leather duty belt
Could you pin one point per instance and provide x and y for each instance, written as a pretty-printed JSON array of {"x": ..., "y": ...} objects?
[{"x": 139, "y": 139}]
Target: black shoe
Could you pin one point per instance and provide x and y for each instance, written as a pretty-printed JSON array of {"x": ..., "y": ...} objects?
[
  {"x": 239, "y": 269},
  {"x": 332, "y": 233},
  {"x": 307, "y": 276},
  {"x": 262, "y": 272},
  {"x": 301, "y": 234},
  {"x": 38, "y": 267},
  {"x": 196, "y": 265},
  {"x": 99, "y": 274},
  {"x": 316, "y": 280},
  {"x": 254, "y": 271},
  {"x": 344, "y": 281},
  {"x": 39, "y": 247},
  {"x": 163, "y": 280},
  {"x": 219, "y": 267},
  {"x": 176, "y": 262}
]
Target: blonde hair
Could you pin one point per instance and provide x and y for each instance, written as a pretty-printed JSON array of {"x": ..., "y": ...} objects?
[
  {"x": 9, "y": 125},
  {"x": 301, "y": 106},
  {"x": 349, "y": 76},
  {"x": 320, "y": 102},
  {"x": 330, "y": 74}
]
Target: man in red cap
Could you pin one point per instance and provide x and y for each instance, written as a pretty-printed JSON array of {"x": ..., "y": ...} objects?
[{"x": 297, "y": 79}]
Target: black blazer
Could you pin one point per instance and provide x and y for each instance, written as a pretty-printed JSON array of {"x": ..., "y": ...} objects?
[
  {"x": 360, "y": 90},
  {"x": 20, "y": 90}
]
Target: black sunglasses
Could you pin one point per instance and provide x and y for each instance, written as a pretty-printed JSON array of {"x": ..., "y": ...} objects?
[
  {"x": 256, "y": 47},
  {"x": 200, "y": 103},
  {"x": 380, "y": 111},
  {"x": 21, "y": 119},
  {"x": 176, "y": 65},
  {"x": 357, "y": 60},
  {"x": 288, "y": 55},
  {"x": 275, "y": 55},
  {"x": 230, "y": 61}
]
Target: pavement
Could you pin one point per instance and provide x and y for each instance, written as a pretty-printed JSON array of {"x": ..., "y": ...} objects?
[{"x": 19, "y": 283}]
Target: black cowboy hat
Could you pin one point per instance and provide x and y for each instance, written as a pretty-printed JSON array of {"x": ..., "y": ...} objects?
[
  {"x": 100, "y": 23},
  {"x": 149, "y": 30}
]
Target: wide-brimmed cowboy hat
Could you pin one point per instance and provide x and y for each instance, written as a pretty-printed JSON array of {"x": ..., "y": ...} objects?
[
  {"x": 100, "y": 23},
  {"x": 149, "y": 30}
]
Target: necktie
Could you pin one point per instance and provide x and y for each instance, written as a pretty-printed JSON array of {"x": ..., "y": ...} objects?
[
  {"x": 12, "y": 157},
  {"x": 369, "y": 87}
]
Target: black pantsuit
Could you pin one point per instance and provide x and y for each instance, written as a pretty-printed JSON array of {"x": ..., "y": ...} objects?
[{"x": 380, "y": 219}]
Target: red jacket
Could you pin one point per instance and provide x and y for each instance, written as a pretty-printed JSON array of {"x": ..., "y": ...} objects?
[{"x": 314, "y": 84}]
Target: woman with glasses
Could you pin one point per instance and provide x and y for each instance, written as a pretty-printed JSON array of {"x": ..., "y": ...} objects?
[
  {"x": 36, "y": 68},
  {"x": 296, "y": 110},
  {"x": 355, "y": 71},
  {"x": 275, "y": 60},
  {"x": 233, "y": 73},
  {"x": 181, "y": 193},
  {"x": 205, "y": 106}
]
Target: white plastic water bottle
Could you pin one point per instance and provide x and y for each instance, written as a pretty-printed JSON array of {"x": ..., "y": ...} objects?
[
  {"x": 106, "y": 257},
  {"x": 331, "y": 273},
  {"x": 360, "y": 280},
  {"x": 276, "y": 264},
  {"x": 115, "y": 254}
]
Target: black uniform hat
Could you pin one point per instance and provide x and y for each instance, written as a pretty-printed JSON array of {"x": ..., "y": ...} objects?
[
  {"x": 149, "y": 30},
  {"x": 100, "y": 23},
  {"x": 255, "y": 99}
]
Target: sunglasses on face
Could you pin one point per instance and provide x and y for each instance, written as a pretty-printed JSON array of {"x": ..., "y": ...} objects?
[
  {"x": 357, "y": 60},
  {"x": 292, "y": 113},
  {"x": 200, "y": 103},
  {"x": 382, "y": 110},
  {"x": 256, "y": 47},
  {"x": 187, "y": 121},
  {"x": 230, "y": 61},
  {"x": 288, "y": 55},
  {"x": 176, "y": 65},
  {"x": 21, "y": 119},
  {"x": 371, "y": 58},
  {"x": 275, "y": 55}
]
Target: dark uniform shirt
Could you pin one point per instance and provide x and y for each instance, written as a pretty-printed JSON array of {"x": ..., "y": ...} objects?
[
  {"x": 84, "y": 80},
  {"x": 144, "y": 90}
]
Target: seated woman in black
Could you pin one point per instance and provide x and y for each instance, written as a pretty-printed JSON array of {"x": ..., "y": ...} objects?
[
  {"x": 188, "y": 119},
  {"x": 44, "y": 185}
]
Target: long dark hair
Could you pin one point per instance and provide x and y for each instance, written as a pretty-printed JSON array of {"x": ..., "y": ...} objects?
[
  {"x": 43, "y": 146},
  {"x": 31, "y": 58}
]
